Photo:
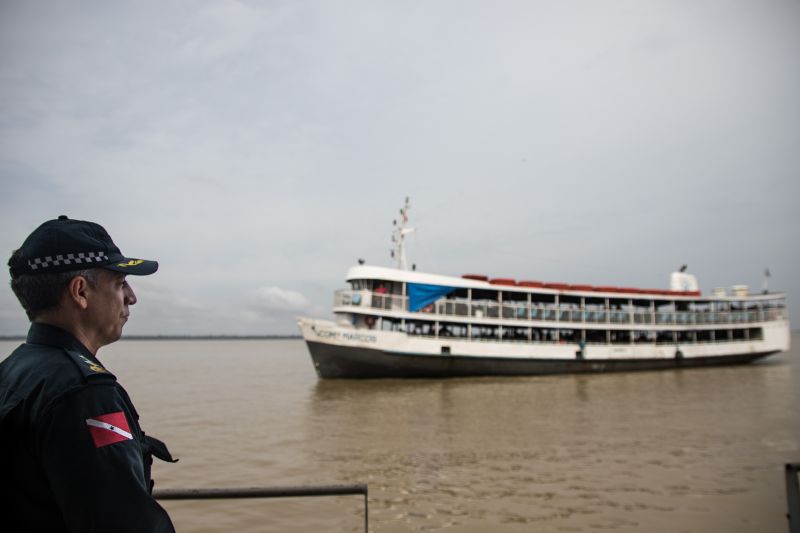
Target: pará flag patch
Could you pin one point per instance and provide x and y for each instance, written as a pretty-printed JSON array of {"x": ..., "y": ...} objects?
[{"x": 108, "y": 429}]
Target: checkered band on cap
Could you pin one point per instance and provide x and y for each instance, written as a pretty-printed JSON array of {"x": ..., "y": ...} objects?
[{"x": 66, "y": 259}]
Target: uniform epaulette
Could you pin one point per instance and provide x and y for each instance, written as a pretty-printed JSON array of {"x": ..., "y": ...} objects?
[{"x": 88, "y": 368}]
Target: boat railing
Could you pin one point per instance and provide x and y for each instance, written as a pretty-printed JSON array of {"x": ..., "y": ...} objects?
[
  {"x": 522, "y": 335},
  {"x": 550, "y": 313},
  {"x": 793, "y": 496},
  {"x": 376, "y": 300},
  {"x": 266, "y": 492}
]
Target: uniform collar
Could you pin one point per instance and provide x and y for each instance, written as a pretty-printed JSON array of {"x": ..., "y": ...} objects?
[{"x": 54, "y": 336}]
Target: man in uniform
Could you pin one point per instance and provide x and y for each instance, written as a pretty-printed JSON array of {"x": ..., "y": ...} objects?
[{"x": 72, "y": 454}]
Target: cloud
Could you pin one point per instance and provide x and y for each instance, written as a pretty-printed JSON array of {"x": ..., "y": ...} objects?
[
  {"x": 274, "y": 309},
  {"x": 251, "y": 147},
  {"x": 221, "y": 29},
  {"x": 276, "y": 298}
]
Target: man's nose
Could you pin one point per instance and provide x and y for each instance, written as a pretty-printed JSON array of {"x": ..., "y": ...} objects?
[{"x": 130, "y": 296}]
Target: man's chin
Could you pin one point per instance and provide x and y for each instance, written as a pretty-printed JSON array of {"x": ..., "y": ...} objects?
[{"x": 113, "y": 337}]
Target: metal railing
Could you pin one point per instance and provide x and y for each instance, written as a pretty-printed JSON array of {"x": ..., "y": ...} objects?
[
  {"x": 550, "y": 313},
  {"x": 793, "y": 497},
  {"x": 266, "y": 492}
]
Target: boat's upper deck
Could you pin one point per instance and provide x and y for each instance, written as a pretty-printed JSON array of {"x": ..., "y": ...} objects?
[
  {"x": 407, "y": 295},
  {"x": 395, "y": 280}
]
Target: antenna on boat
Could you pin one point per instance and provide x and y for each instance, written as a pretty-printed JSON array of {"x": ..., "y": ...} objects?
[
  {"x": 767, "y": 275},
  {"x": 399, "y": 237}
]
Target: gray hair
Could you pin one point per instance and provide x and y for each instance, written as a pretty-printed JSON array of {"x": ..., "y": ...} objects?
[{"x": 41, "y": 292}]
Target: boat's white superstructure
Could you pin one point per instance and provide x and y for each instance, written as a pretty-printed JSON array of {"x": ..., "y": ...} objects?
[{"x": 394, "y": 322}]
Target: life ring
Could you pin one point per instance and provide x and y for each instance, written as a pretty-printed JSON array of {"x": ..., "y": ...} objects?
[{"x": 369, "y": 320}]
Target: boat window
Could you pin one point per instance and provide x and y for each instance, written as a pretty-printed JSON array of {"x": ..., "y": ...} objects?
[
  {"x": 595, "y": 336},
  {"x": 620, "y": 337},
  {"x": 458, "y": 294},
  {"x": 419, "y": 327},
  {"x": 568, "y": 335},
  {"x": 390, "y": 324},
  {"x": 385, "y": 301},
  {"x": 595, "y": 302},
  {"x": 515, "y": 334},
  {"x": 570, "y": 301},
  {"x": 537, "y": 298},
  {"x": 449, "y": 329},
  {"x": 380, "y": 286},
  {"x": 515, "y": 296},
  {"x": 481, "y": 294},
  {"x": 775, "y": 304},
  {"x": 665, "y": 337},
  {"x": 484, "y": 332}
]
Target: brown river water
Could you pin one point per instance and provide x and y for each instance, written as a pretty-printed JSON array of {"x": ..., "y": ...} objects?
[{"x": 666, "y": 451}]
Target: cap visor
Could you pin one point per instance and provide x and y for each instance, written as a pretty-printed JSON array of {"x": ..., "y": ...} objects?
[{"x": 134, "y": 267}]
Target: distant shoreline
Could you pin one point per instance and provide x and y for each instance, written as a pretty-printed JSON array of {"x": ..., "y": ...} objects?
[{"x": 182, "y": 337}]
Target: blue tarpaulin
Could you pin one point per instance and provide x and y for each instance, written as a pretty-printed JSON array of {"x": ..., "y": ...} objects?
[{"x": 421, "y": 294}]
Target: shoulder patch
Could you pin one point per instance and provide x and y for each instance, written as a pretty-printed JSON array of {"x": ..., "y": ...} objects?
[{"x": 109, "y": 428}]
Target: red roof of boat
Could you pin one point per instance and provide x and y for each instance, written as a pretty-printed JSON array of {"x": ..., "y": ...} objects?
[
  {"x": 606, "y": 288},
  {"x": 503, "y": 281},
  {"x": 578, "y": 287}
]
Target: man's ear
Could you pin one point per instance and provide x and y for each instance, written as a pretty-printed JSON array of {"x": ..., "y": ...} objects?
[{"x": 77, "y": 289}]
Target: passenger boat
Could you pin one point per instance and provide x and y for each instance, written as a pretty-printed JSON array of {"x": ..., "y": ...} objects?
[{"x": 400, "y": 323}]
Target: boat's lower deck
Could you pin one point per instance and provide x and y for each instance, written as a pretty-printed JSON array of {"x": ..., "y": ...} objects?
[
  {"x": 348, "y": 362},
  {"x": 341, "y": 351}
]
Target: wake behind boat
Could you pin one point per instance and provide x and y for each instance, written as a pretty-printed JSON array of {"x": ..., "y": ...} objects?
[{"x": 400, "y": 323}]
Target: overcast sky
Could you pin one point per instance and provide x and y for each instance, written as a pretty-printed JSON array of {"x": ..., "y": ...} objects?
[{"x": 257, "y": 149}]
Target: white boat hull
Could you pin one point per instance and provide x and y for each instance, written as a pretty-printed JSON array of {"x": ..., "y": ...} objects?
[{"x": 346, "y": 352}]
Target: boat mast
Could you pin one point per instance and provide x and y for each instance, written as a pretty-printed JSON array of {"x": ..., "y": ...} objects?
[{"x": 399, "y": 237}]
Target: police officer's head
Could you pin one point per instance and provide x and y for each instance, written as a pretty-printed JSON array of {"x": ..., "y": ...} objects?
[{"x": 69, "y": 259}]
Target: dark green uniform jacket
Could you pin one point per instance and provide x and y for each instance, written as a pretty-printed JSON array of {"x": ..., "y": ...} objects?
[{"x": 72, "y": 454}]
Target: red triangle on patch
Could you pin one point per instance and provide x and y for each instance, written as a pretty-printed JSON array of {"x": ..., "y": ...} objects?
[{"x": 108, "y": 429}]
